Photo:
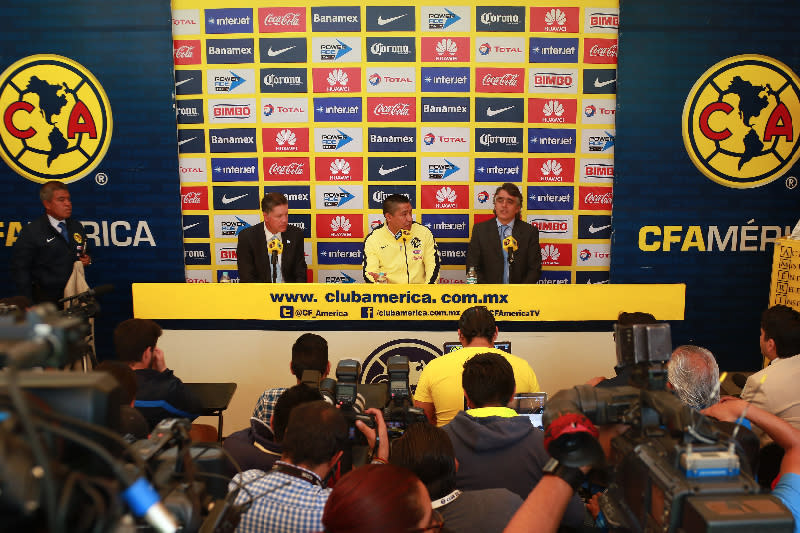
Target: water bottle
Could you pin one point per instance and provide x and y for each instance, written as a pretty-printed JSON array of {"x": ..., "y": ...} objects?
[
  {"x": 472, "y": 276},
  {"x": 224, "y": 278}
]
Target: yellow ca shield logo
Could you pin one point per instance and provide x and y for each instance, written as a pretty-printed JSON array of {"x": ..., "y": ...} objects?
[
  {"x": 738, "y": 121},
  {"x": 56, "y": 119}
]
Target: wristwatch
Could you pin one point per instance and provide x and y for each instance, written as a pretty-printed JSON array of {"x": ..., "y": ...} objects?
[{"x": 573, "y": 476}]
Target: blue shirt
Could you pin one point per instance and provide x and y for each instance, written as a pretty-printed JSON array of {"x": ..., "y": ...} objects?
[
  {"x": 281, "y": 503},
  {"x": 265, "y": 405},
  {"x": 788, "y": 492}
]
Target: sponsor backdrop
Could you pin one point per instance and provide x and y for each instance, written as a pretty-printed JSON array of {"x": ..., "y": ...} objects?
[
  {"x": 710, "y": 124},
  {"x": 85, "y": 98},
  {"x": 338, "y": 106}
]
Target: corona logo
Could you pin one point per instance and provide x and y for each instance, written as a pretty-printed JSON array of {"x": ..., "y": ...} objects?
[
  {"x": 738, "y": 121},
  {"x": 56, "y": 119}
]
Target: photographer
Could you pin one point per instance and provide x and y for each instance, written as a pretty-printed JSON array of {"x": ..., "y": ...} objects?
[{"x": 291, "y": 497}]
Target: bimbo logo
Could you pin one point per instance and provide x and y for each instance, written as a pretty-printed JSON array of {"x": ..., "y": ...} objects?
[
  {"x": 37, "y": 145},
  {"x": 553, "y": 81},
  {"x": 552, "y": 226},
  {"x": 597, "y": 170},
  {"x": 601, "y": 20}
]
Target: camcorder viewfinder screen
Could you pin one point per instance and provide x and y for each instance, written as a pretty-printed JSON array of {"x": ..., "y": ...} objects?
[
  {"x": 500, "y": 345},
  {"x": 531, "y": 405}
]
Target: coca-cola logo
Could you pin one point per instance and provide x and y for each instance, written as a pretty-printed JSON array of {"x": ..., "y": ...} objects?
[
  {"x": 192, "y": 197},
  {"x": 396, "y": 110},
  {"x": 281, "y": 19},
  {"x": 291, "y": 169},
  {"x": 505, "y": 80},
  {"x": 599, "y": 51},
  {"x": 598, "y": 198},
  {"x": 287, "y": 19},
  {"x": 184, "y": 52}
]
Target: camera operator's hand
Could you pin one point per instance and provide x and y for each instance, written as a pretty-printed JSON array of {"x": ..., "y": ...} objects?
[
  {"x": 382, "y": 436},
  {"x": 158, "y": 362},
  {"x": 727, "y": 411}
]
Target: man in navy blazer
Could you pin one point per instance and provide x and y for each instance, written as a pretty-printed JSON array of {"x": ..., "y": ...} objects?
[
  {"x": 48, "y": 247},
  {"x": 486, "y": 252},
  {"x": 254, "y": 251}
]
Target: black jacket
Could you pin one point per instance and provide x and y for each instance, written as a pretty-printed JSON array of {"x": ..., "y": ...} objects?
[
  {"x": 485, "y": 252},
  {"x": 42, "y": 260},
  {"x": 161, "y": 395},
  {"x": 253, "y": 263}
]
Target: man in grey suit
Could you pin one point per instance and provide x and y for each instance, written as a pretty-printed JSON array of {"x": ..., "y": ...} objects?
[
  {"x": 272, "y": 251},
  {"x": 505, "y": 249}
]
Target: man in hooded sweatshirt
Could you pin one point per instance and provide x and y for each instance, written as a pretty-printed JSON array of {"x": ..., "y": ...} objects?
[{"x": 496, "y": 448}]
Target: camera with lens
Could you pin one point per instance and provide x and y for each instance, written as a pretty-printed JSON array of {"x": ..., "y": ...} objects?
[
  {"x": 673, "y": 469},
  {"x": 400, "y": 413}
]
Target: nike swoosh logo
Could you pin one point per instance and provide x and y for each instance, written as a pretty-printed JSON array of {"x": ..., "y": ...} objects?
[
  {"x": 273, "y": 53},
  {"x": 226, "y": 200},
  {"x": 382, "y": 171},
  {"x": 382, "y": 21},
  {"x": 592, "y": 229},
  {"x": 190, "y": 226},
  {"x": 50, "y": 239},
  {"x": 181, "y": 143},
  {"x": 179, "y": 83},
  {"x": 598, "y": 83},
  {"x": 492, "y": 112}
]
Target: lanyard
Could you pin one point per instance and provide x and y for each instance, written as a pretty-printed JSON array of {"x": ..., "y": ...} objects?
[
  {"x": 450, "y": 498},
  {"x": 291, "y": 470}
]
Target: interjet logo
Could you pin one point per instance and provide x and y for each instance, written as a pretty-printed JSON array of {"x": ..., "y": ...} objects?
[
  {"x": 549, "y": 198},
  {"x": 229, "y": 20},
  {"x": 553, "y": 50},
  {"x": 498, "y": 169},
  {"x": 545, "y": 140},
  {"x": 340, "y": 253},
  {"x": 447, "y": 226},
  {"x": 226, "y": 169},
  {"x": 337, "y": 109},
  {"x": 446, "y": 79}
]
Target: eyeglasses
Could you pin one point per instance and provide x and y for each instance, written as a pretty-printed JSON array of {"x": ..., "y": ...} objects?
[{"x": 437, "y": 523}]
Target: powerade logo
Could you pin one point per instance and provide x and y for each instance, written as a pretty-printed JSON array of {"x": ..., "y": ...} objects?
[
  {"x": 298, "y": 196},
  {"x": 227, "y": 226},
  {"x": 453, "y": 253},
  {"x": 499, "y": 109},
  {"x": 196, "y": 253},
  {"x": 447, "y": 226},
  {"x": 439, "y": 18},
  {"x": 337, "y": 109},
  {"x": 553, "y": 50},
  {"x": 445, "y": 79},
  {"x": 390, "y": 18},
  {"x": 385, "y": 49},
  {"x": 378, "y": 193},
  {"x": 284, "y": 80},
  {"x": 282, "y": 50},
  {"x": 550, "y": 197},
  {"x": 339, "y": 197},
  {"x": 301, "y": 222},
  {"x": 229, "y": 20},
  {"x": 329, "y": 50},
  {"x": 392, "y": 168},
  {"x": 232, "y": 140},
  {"x": 556, "y": 141},
  {"x": 392, "y": 139},
  {"x": 498, "y": 169},
  {"x": 442, "y": 109},
  {"x": 188, "y": 82},
  {"x": 445, "y": 168},
  {"x": 234, "y": 169},
  {"x": 340, "y": 253},
  {"x": 340, "y": 276},
  {"x": 335, "y": 19},
  {"x": 499, "y": 140},
  {"x": 236, "y": 198},
  {"x": 500, "y": 18},
  {"x": 190, "y": 142},
  {"x": 554, "y": 277},
  {"x": 598, "y": 141},
  {"x": 195, "y": 227},
  {"x": 338, "y": 139},
  {"x": 229, "y": 81},
  {"x": 594, "y": 226},
  {"x": 552, "y": 226},
  {"x": 189, "y": 111},
  {"x": 227, "y": 51}
]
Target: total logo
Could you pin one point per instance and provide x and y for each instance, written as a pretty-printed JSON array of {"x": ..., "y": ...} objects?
[
  {"x": 502, "y": 50},
  {"x": 447, "y": 197},
  {"x": 555, "y": 254},
  {"x": 597, "y": 111},
  {"x": 192, "y": 169},
  {"x": 595, "y": 255},
  {"x": 57, "y": 120},
  {"x": 185, "y": 22},
  {"x": 551, "y": 169},
  {"x": 449, "y": 139},
  {"x": 449, "y": 49},
  {"x": 483, "y": 197},
  {"x": 391, "y": 80},
  {"x": 738, "y": 121},
  {"x": 337, "y": 80},
  {"x": 198, "y": 276},
  {"x": 555, "y": 19},
  {"x": 282, "y": 110}
]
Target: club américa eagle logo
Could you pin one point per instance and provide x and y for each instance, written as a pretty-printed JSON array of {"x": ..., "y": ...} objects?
[
  {"x": 738, "y": 121},
  {"x": 56, "y": 119}
]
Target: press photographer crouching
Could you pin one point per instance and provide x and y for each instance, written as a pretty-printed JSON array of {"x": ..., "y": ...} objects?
[{"x": 671, "y": 470}]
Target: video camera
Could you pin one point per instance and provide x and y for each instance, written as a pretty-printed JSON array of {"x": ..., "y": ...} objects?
[
  {"x": 673, "y": 469},
  {"x": 42, "y": 336},
  {"x": 400, "y": 412}
]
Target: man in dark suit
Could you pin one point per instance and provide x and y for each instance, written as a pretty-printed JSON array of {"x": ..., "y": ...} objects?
[
  {"x": 486, "y": 252},
  {"x": 48, "y": 247},
  {"x": 274, "y": 242}
]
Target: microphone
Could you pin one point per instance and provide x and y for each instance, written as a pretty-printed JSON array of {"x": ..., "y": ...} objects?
[
  {"x": 510, "y": 245},
  {"x": 275, "y": 247},
  {"x": 97, "y": 291}
]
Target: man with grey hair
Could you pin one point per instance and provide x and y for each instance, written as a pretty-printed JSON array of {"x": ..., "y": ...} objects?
[{"x": 694, "y": 376}]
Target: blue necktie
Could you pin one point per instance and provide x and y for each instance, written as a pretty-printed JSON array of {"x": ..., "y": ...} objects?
[
  {"x": 504, "y": 231},
  {"x": 63, "y": 227}
]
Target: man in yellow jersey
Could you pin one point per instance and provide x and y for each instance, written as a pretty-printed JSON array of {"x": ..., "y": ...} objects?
[
  {"x": 439, "y": 391},
  {"x": 401, "y": 250}
]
